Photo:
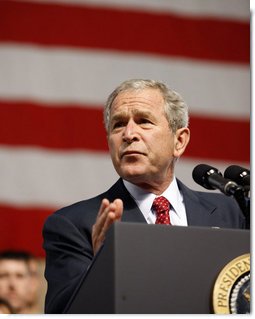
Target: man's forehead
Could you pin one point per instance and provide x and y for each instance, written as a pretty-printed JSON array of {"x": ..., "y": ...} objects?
[
  {"x": 13, "y": 265},
  {"x": 136, "y": 105}
]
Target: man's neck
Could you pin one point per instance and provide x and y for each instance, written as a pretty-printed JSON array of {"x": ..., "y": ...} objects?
[{"x": 154, "y": 188}]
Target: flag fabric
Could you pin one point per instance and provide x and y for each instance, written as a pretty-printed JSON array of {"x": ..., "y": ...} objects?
[{"x": 60, "y": 59}]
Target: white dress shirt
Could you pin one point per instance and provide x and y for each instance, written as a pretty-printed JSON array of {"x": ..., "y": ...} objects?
[{"x": 144, "y": 201}]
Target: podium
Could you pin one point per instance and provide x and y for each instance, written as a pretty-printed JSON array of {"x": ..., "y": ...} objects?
[{"x": 157, "y": 269}]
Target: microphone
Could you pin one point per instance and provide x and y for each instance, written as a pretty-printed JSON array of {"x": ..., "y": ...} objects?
[
  {"x": 211, "y": 178},
  {"x": 239, "y": 174}
]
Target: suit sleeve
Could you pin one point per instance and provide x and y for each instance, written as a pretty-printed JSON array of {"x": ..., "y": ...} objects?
[{"x": 68, "y": 255}]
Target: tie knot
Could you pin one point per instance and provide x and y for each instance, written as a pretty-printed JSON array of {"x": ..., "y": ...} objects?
[{"x": 161, "y": 206}]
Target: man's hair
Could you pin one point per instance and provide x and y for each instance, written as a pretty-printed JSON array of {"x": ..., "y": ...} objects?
[
  {"x": 175, "y": 107},
  {"x": 16, "y": 255}
]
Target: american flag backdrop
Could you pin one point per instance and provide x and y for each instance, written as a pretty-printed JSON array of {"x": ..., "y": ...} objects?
[{"x": 60, "y": 59}]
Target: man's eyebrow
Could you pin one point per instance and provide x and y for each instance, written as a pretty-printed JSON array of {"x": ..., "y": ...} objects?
[
  {"x": 121, "y": 115},
  {"x": 143, "y": 113}
]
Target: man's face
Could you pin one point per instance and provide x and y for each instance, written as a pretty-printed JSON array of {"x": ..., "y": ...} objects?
[
  {"x": 14, "y": 283},
  {"x": 141, "y": 143}
]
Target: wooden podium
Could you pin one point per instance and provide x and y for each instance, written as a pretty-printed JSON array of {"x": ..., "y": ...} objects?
[{"x": 157, "y": 269}]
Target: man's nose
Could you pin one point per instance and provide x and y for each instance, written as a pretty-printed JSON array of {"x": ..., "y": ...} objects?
[
  {"x": 130, "y": 132},
  {"x": 12, "y": 283}
]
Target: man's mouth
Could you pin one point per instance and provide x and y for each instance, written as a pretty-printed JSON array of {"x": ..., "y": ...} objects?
[
  {"x": 130, "y": 153},
  {"x": 12, "y": 295}
]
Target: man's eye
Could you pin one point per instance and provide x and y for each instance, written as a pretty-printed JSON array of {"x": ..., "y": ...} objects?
[
  {"x": 118, "y": 124},
  {"x": 144, "y": 121}
]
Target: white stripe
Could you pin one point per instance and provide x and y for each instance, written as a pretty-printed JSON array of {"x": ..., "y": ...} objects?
[
  {"x": 33, "y": 176},
  {"x": 53, "y": 179},
  {"x": 238, "y": 9},
  {"x": 88, "y": 76}
]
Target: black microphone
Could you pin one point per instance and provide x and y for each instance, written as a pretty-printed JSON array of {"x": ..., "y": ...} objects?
[
  {"x": 211, "y": 178},
  {"x": 239, "y": 174}
]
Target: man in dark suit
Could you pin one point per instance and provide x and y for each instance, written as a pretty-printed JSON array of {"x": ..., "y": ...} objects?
[{"x": 147, "y": 131}]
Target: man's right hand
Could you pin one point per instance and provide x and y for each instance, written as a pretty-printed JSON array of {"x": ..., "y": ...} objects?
[{"x": 107, "y": 215}]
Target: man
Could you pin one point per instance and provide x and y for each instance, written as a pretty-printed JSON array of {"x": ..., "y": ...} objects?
[
  {"x": 15, "y": 280},
  {"x": 147, "y": 131}
]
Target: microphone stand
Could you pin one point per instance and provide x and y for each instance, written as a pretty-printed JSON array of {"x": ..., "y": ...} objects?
[{"x": 241, "y": 194}]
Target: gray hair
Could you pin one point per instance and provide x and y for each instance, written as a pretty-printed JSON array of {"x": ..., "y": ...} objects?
[{"x": 175, "y": 107}]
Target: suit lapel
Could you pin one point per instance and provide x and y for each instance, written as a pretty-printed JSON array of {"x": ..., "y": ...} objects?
[
  {"x": 198, "y": 210},
  {"x": 131, "y": 211}
]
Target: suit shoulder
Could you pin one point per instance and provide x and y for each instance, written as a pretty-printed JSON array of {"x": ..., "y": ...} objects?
[
  {"x": 208, "y": 197},
  {"x": 82, "y": 213},
  {"x": 218, "y": 198},
  {"x": 77, "y": 207},
  {"x": 88, "y": 207}
]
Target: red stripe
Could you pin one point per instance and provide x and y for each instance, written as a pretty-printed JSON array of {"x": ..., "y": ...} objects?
[
  {"x": 67, "y": 127},
  {"x": 125, "y": 30},
  {"x": 219, "y": 139},
  {"x": 71, "y": 127},
  {"x": 21, "y": 228}
]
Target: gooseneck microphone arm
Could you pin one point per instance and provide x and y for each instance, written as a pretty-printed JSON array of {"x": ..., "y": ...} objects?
[
  {"x": 244, "y": 204},
  {"x": 211, "y": 178},
  {"x": 241, "y": 175}
]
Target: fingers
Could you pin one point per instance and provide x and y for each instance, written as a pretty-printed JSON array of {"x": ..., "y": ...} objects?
[
  {"x": 119, "y": 208},
  {"x": 108, "y": 213},
  {"x": 102, "y": 214}
]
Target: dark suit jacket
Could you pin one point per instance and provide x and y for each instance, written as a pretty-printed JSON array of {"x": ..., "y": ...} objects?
[{"x": 67, "y": 234}]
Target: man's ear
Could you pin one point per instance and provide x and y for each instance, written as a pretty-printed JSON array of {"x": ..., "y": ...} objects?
[{"x": 181, "y": 140}]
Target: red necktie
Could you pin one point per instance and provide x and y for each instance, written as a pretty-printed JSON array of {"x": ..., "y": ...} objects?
[{"x": 161, "y": 206}]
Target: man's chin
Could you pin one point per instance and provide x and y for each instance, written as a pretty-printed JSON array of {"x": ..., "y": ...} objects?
[
  {"x": 132, "y": 175},
  {"x": 15, "y": 303}
]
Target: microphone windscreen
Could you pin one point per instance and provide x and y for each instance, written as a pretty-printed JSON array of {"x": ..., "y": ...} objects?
[
  {"x": 236, "y": 173},
  {"x": 200, "y": 174}
]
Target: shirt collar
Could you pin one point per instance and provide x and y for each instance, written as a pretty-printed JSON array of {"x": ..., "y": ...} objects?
[{"x": 144, "y": 199}]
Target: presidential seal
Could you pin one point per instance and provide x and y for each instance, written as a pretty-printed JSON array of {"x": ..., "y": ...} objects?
[{"x": 231, "y": 293}]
